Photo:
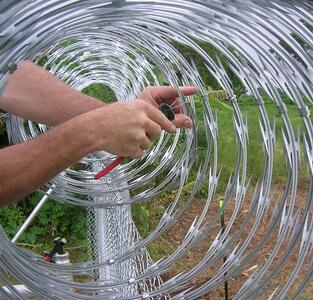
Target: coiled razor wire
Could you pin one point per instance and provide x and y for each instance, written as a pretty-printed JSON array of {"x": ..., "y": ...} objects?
[{"x": 128, "y": 45}]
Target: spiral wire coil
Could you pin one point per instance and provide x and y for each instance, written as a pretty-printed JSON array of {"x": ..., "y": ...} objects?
[{"x": 126, "y": 45}]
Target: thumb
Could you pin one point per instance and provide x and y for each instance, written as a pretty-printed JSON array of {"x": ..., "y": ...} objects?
[{"x": 182, "y": 121}]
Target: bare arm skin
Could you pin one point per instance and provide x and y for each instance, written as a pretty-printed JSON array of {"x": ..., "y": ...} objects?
[
  {"x": 41, "y": 97},
  {"x": 27, "y": 166},
  {"x": 83, "y": 125}
]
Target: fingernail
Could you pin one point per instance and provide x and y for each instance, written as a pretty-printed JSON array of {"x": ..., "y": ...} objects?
[{"x": 187, "y": 123}]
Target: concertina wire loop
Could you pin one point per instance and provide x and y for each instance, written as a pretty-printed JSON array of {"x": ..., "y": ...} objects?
[{"x": 127, "y": 46}]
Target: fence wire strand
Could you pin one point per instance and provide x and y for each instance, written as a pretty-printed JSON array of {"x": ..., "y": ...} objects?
[{"x": 127, "y": 45}]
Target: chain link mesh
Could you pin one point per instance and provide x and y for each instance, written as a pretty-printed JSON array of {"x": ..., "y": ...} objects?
[{"x": 111, "y": 231}]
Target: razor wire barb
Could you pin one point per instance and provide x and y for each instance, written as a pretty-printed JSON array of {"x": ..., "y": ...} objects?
[{"x": 125, "y": 45}]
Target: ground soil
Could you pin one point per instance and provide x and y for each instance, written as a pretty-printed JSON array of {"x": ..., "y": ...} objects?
[
  {"x": 171, "y": 240},
  {"x": 168, "y": 242}
]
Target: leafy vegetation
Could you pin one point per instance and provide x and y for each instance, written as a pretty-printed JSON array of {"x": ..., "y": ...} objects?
[{"x": 54, "y": 219}]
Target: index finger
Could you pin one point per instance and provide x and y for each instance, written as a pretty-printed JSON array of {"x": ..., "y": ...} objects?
[{"x": 169, "y": 94}]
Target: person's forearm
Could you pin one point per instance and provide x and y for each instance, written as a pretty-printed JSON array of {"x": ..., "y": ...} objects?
[
  {"x": 39, "y": 96},
  {"x": 27, "y": 166},
  {"x": 125, "y": 128}
]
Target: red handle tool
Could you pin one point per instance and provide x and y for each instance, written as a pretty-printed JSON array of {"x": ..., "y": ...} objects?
[
  {"x": 167, "y": 110},
  {"x": 110, "y": 167}
]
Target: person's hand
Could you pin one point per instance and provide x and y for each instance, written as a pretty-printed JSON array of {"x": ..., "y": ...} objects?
[
  {"x": 169, "y": 95},
  {"x": 125, "y": 128}
]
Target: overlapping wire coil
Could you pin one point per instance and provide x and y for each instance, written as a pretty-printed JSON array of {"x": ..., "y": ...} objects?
[{"x": 128, "y": 45}]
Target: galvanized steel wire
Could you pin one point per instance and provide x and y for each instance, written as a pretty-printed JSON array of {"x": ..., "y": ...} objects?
[{"x": 126, "y": 45}]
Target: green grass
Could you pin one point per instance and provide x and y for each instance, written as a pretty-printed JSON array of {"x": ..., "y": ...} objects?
[
  {"x": 227, "y": 148},
  {"x": 101, "y": 92},
  {"x": 227, "y": 145}
]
